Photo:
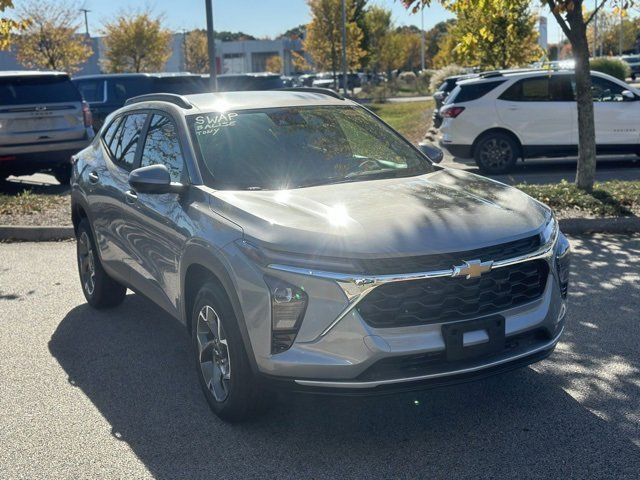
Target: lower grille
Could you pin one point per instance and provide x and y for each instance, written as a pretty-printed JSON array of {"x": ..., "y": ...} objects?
[
  {"x": 433, "y": 362},
  {"x": 445, "y": 299}
]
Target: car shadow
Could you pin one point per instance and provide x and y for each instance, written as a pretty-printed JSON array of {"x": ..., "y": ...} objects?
[{"x": 135, "y": 364}]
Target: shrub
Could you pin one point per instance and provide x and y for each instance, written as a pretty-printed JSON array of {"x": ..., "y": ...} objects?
[
  {"x": 424, "y": 78},
  {"x": 612, "y": 66},
  {"x": 438, "y": 77}
]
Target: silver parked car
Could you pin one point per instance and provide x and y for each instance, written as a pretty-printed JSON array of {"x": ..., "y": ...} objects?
[
  {"x": 43, "y": 121},
  {"x": 307, "y": 245}
]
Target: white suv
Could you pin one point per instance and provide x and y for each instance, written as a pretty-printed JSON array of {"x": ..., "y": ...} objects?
[{"x": 500, "y": 117}]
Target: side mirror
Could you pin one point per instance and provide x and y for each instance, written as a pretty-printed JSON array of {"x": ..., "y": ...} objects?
[
  {"x": 153, "y": 179},
  {"x": 628, "y": 95},
  {"x": 430, "y": 151}
]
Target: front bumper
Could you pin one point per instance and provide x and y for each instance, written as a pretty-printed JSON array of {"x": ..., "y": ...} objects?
[{"x": 344, "y": 354}]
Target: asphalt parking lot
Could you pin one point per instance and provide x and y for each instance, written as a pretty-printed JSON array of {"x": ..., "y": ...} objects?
[{"x": 87, "y": 394}]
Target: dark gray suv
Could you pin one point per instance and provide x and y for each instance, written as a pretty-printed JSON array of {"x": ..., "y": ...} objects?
[{"x": 306, "y": 245}]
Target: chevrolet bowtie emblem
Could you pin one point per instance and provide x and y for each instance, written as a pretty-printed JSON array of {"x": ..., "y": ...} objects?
[{"x": 472, "y": 269}]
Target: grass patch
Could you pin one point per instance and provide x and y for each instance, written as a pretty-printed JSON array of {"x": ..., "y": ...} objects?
[
  {"x": 608, "y": 199},
  {"x": 29, "y": 203},
  {"x": 411, "y": 119}
]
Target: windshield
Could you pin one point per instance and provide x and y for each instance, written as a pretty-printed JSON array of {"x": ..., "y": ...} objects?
[{"x": 295, "y": 147}]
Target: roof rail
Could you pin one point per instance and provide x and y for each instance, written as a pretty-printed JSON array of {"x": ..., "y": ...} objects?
[
  {"x": 178, "y": 100},
  {"x": 321, "y": 91},
  {"x": 490, "y": 74}
]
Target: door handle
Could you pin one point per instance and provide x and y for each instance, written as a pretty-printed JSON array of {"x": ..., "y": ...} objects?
[
  {"x": 512, "y": 107},
  {"x": 93, "y": 177},
  {"x": 131, "y": 196}
]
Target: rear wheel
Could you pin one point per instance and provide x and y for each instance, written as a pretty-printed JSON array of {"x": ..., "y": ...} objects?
[
  {"x": 496, "y": 153},
  {"x": 221, "y": 359},
  {"x": 100, "y": 290}
]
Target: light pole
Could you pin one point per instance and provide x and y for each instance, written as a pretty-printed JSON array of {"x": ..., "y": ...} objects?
[
  {"x": 595, "y": 30},
  {"x": 422, "y": 38},
  {"x": 213, "y": 78},
  {"x": 620, "y": 46},
  {"x": 344, "y": 48},
  {"x": 86, "y": 21}
]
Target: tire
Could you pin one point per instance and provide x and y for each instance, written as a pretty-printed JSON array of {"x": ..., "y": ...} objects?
[
  {"x": 496, "y": 153},
  {"x": 63, "y": 174},
  {"x": 222, "y": 362},
  {"x": 100, "y": 290}
]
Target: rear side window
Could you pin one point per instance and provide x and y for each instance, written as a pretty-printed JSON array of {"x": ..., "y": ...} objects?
[
  {"x": 528, "y": 90},
  {"x": 556, "y": 88},
  {"x": 91, "y": 90},
  {"x": 125, "y": 141},
  {"x": 473, "y": 91},
  {"x": 162, "y": 147},
  {"x": 110, "y": 131},
  {"x": 37, "y": 89}
]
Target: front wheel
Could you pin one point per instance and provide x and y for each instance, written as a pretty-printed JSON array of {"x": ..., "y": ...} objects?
[
  {"x": 496, "y": 153},
  {"x": 221, "y": 359},
  {"x": 100, "y": 290},
  {"x": 63, "y": 174}
]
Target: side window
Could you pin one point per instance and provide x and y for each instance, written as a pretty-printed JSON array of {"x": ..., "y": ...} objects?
[
  {"x": 528, "y": 90},
  {"x": 473, "y": 91},
  {"x": 125, "y": 141},
  {"x": 109, "y": 133},
  {"x": 604, "y": 90},
  {"x": 163, "y": 147},
  {"x": 91, "y": 90},
  {"x": 561, "y": 88}
]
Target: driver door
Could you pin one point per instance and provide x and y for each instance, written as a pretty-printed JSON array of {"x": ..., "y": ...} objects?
[{"x": 617, "y": 118}]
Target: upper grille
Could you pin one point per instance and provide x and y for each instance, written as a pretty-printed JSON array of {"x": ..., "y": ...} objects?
[
  {"x": 444, "y": 299},
  {"x": 425, "y": 263}
]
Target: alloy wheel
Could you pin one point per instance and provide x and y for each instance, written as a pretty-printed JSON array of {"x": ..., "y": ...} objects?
[
  {"x": 213, "y": 353},
  {"x": 496, "y": 153},
  {"x": 86, "y": 260}
]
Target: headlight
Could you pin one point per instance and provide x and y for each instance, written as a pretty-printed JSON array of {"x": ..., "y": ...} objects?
[
  {"x": 288, "y": 304},
  {"x": 548, "y": 235},
  {"x": 563, "y": 262}
]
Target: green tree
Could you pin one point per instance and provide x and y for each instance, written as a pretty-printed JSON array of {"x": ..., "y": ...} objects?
[
  {"x": 49, "y": 40},
  {"x": 609, "y": 25},
  {"x": 433, "y": 39},
  {"x": 377, "y": 26},
  {"x": 324, "y": 36},
  {"x": 136, "y": 43},
  {"x": 494, "y": 34},
  {"x": 570, "y": 15},
  {"x": 196, "y": 54}
]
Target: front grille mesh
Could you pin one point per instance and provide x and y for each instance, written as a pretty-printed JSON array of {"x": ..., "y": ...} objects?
[{"x": 444, "y": 299}]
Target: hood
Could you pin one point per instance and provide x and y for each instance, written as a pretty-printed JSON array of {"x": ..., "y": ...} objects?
[{"x": 443, "y": 211}]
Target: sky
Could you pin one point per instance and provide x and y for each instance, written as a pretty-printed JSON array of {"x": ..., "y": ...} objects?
[{"x": 260, "y": 18}]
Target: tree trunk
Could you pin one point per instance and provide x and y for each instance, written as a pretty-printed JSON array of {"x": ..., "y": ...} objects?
[{"x": 586, "y": 171}]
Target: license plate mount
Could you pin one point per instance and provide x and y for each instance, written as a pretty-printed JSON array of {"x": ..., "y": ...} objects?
[{"x": 453, "y": 335}]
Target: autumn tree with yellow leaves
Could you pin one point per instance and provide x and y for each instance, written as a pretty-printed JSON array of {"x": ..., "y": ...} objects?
[
  {"x": 324, "y": 35},
  {"x": 136, "y": 43},
  {"x": 49, "y": 39}
]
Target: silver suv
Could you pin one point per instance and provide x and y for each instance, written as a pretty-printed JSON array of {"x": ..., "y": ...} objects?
[
  {"x": 307, "y": 245},
  {"x": 43, "y": 121}
]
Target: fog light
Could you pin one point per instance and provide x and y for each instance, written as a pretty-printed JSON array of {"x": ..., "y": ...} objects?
[{"x": 288, "y": 304}]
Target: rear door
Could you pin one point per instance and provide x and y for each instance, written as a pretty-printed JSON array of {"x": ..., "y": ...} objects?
[
  {"x": 39, "y": 109},
  {"x": 540, "y": 110},
  {"x": 113, "y": 211}
]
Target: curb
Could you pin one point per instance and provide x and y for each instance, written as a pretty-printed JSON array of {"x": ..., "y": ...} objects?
[
  {"x": 571, "y": 226},
  {"x": 578, "y": 226},
  {"x": 25, "y": 233}
]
